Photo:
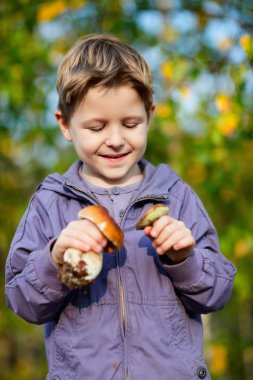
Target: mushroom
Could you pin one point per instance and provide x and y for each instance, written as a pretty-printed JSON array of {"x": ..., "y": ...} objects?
[
  {"x": 151, "y": 215},
  {"x": 81, "y": 268}
]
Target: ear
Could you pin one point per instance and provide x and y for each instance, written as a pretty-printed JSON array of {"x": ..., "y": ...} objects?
[
  {"x": 151, "y": 111},
  {"x": 64, "y": 127}
]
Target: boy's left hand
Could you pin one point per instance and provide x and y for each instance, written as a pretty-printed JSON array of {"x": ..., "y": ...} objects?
[{"x": 171, "y": 237}]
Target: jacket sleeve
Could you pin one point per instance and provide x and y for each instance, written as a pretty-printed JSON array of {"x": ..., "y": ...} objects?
[
  {"x": 204, "y": 280},
  {"x": 32, "y": 288}
]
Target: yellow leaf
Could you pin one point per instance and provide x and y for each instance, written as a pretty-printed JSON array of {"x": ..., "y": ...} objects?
[
  {"x": 228, "y": 123},
  {"x": 166, "y": 70},
  {"x": 219, "y": 362},
  {"x": 246, "y": 42},
  {"x": 48, "y": 11},
  {"x": 163, "y": 110},
  {"x": 223, "y": 103},
  {"x": 185, "y": 91},
  {"x": 241, "y": 248}
]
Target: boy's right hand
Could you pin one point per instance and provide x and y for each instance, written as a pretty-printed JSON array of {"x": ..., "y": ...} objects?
[{"x": 79, "y": 234}]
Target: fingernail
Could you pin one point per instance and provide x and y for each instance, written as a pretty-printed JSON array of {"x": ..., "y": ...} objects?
[
  {"x": 159, "y": 251},
  {"x": 154, "y": 233}
]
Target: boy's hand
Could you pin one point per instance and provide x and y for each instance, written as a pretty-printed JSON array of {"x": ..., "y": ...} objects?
[
  {"x": 171, "y": 237},
  {"x": 79, "y": 234}
]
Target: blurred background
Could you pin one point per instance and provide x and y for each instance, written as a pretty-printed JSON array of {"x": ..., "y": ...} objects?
[{"x": 201, "y": 56}]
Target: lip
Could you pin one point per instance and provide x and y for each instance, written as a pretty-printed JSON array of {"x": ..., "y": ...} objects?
[{"x": 115, "y": 157}]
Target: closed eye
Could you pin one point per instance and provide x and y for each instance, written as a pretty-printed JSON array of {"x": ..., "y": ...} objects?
[
  {"x": 96, "y": 129},
  {"x": 130, "y": 125}
]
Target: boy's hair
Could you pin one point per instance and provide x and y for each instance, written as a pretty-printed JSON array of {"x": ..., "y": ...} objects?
[{"x": 101, "y": 60}]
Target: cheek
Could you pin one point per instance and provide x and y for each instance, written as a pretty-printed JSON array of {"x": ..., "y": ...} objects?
[
  {"x": 139, "y": 140},
  {"x": 86, "y": 144},
  {"x": 83, "y": 147},
  {"x": 89, "y": 147}
]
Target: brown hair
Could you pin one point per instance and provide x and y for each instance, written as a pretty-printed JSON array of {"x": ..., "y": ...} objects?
[{"x": 101, "y": 60}]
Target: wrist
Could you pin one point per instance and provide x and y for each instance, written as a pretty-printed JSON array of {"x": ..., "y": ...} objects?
[
  {"x": 174, "y": 258},
  {"x": 167, "y": 260},
  {"x": 57, "y": 262}
]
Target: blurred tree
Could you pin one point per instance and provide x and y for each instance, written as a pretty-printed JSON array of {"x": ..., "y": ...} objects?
[{"x": 201, "y": 55}]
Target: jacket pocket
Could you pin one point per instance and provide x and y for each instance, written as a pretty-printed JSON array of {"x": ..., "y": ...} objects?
[
  {"x": 162, "y": 317},
  {"x": 160, "y": 340},
  {"x": 174, "y": 320},
  {"x": 97, "y": 341}
]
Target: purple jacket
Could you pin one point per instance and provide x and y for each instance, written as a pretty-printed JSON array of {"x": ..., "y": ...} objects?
[{"x": 141, "y": 316}]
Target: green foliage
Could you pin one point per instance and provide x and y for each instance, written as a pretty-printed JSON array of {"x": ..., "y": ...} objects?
[{"x": 201, "y": 55}]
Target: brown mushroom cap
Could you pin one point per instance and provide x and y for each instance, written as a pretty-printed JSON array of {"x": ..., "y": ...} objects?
[
  {"x": 102, "y": 219},
  {"x": 153, "y": 213}
]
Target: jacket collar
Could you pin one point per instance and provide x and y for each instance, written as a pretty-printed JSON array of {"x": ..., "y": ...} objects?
[
  {"x": 157, "y": 179},
  {"x": 156, "y": 183}
]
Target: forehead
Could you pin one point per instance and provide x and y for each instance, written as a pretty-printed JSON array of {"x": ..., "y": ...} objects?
[
  {"x": 113, "y": 99},
  {"x": 104, "y": 93}
]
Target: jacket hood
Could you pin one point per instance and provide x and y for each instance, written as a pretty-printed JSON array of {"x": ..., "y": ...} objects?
[{"x": 157, "y": 181}]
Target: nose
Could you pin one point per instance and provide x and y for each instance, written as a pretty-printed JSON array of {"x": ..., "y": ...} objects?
[{"x": 115, "y": 137}]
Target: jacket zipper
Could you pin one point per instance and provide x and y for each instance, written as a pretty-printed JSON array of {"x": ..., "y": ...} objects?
[
  {"x": 121, "y": 286},
  {"x": 122, "y": 300}
]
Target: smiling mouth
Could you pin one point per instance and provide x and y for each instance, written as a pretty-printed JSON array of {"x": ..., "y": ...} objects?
[{"x": 114, "y": 156}]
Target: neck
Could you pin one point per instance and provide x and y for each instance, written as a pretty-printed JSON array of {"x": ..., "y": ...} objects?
[{"x": 107, "y": 183}]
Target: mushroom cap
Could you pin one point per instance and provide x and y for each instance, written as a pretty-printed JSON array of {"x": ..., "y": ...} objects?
[
  {"x": 153, "y": 213},
  {"x": 99, "y": 216}
]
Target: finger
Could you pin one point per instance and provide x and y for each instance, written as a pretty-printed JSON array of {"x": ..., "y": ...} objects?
[
  {"x": 160, "y": 224},
  {"x": 73, "y": 242},
  {"x": 186, "y": 242},
  {"x": 85, "y": 242},
  {"x": 184, "y": 249},
  {"x": 86, "y": 230},
  {"x": 174, "y": 239},
  {"x": 71, "y": 234},
  {"x": 167, "y": 232},
  {"x": 63, "y": 243}
]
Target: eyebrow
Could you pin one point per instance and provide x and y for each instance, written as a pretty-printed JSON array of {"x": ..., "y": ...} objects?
[
  {"x": 92, "y": 120},
  {"x": 133, "y": 117}
]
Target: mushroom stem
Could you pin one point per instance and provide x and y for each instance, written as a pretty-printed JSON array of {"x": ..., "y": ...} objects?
[{"x": 80, "y": 268}]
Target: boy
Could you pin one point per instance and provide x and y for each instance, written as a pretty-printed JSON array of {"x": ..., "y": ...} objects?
[{"x": 140, "y": 319}]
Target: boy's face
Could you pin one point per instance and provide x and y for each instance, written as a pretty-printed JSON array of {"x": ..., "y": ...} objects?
[{"x": 109, "y": 131}]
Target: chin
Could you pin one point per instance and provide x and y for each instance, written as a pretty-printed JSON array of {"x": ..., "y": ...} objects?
[{"x": 116, "y": 178}]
